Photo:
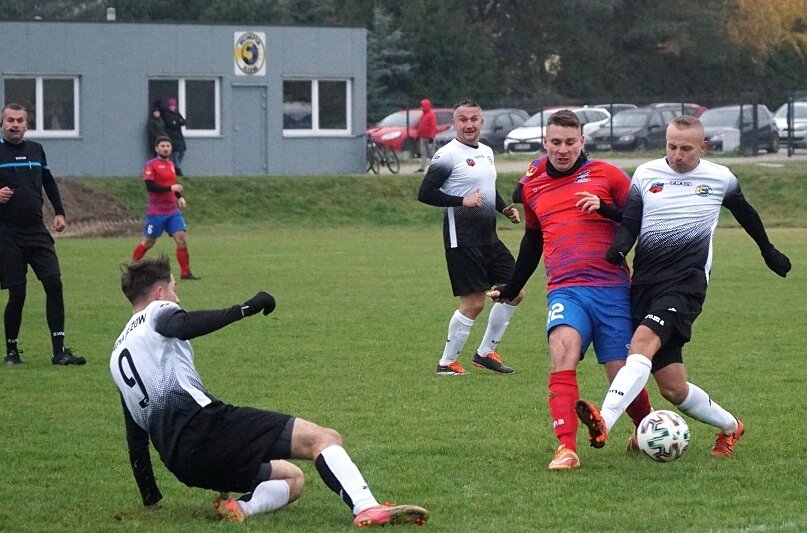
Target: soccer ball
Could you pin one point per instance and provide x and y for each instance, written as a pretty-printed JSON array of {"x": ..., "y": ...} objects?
[{"x": 663, "y": 436}]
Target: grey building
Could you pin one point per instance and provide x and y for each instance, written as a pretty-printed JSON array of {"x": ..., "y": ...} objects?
[{"x": 262, "y": 100}]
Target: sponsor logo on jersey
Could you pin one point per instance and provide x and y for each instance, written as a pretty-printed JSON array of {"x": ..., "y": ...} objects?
[
  {"x": 470, "y": 162},
  {"x": 703, "y": 190},
  {"x": 680, "y": 183},
  {"x": 582, "y": 177},
  {"x": 656, "y": 186}
]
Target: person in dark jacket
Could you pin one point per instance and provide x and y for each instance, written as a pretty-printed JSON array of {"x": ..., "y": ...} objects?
[
  {"x": 174, "y": 122},
  {"x": 24, "y": 239},
  {"x": 155, "y": 126}
]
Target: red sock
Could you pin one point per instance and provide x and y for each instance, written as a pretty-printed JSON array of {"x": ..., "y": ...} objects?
[
  {"x": 563, "y": 393},
  {"x": 184, "y": 261},
  {"x": 139, "y": 252},
  {"x": 639, "y": 407}
]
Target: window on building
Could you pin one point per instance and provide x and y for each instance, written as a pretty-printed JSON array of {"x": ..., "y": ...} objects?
[
  {"x": 320, "y": 107},
  {"x": 198, "y": 100},
  {"x": 51, "y": 102}
]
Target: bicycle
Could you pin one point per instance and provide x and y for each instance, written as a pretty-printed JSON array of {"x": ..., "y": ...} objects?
[
  {"x": 379, "y": 156},
  {"x": 373, "y": 157}
]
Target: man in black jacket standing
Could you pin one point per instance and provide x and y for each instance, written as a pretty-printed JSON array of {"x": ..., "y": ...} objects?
[{"x": 24, "y": 239}]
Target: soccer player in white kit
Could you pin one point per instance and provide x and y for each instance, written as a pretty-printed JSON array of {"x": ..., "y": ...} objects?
[
  {"x": 672, "y": 210},
  {"x": 205, "y": 442}
]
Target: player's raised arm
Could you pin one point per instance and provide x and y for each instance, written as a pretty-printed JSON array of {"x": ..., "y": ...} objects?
[{"x": 187, "y": 325}]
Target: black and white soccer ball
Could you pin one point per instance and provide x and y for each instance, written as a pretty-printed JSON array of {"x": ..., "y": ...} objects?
[{"x": 663, "y": 436}]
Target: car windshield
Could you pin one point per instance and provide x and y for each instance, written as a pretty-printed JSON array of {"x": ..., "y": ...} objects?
[
  {"x": 398, "y": 119},
  {"x": 799, "y": 111},
  {"x": 628, "y": 119},
  {"x": 729, "y": 116},
  {"x": 539, "y": 119}
]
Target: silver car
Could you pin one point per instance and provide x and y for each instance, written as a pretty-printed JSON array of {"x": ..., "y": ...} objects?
[{"x": 799, "y": 124}]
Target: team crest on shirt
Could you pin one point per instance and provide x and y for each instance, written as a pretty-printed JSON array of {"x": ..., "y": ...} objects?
[
  {"x": 703, "y": 190},
  {"x": 656, "y": 186},
  {"x": 532, "y": 170},
  {"x": 470, "y": 162},
  {"x": 582, "y": 177}
]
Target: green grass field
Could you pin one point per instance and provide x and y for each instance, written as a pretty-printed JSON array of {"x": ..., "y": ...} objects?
[{"x": 363, "y": 305}]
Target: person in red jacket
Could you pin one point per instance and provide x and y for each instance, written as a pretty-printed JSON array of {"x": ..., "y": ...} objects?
[{"x": 426, "y": 131}]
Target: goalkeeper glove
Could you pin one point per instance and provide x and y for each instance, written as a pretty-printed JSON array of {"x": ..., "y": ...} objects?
[
  {"x": 777, "y": 261},
  {"x": 263, "y": 301}
]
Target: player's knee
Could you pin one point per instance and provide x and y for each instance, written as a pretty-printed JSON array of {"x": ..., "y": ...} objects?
[
  {"x": 673, "y": 392},
  {"x": 296, "y": 482},
  {"x": 330, "y": 437},
  {"x": 517, "y": 299},
  {"x": 471, "y": 309},
  {"x": 52, "y": 285},
  {"x": 16, "y": 295}
]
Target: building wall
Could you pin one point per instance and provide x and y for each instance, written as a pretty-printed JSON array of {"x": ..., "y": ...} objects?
[{"x": 116, "y": 60}]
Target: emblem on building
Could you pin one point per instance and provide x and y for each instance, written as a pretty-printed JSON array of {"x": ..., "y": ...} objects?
[{"x": 250, "y": 53}]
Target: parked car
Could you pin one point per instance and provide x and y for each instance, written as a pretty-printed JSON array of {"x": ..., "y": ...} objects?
[
  {"x": 392, "y": 131},
  {"x": 683, "y": 108},
  {"x": 530, "y": 136},
  {"x": 615, "y": 108},
  {"x": 498, "y": 123},
  {"x": 718, "y": 122},
  {"x": 799, "y": 124},
  {"x": 635, "y": 129}
]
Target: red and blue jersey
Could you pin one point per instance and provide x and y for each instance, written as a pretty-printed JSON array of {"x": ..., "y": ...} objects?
[
  {"x": 163, "y": 173},
  {"x": 575, "y": 242}
]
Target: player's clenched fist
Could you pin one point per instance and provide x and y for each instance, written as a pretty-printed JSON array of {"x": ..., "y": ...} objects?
[{"x": 263, "y": 301}]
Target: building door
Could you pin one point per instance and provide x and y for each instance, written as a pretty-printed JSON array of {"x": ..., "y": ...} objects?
[{"x": 249, "y": 130}]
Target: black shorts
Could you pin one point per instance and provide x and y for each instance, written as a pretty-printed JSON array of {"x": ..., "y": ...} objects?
[
  {"x": 224, "y": 447},
  {"x": 669, "y": 309},
  {"x": 22, "y": 247},
  {"x": 473, "y": 269}
]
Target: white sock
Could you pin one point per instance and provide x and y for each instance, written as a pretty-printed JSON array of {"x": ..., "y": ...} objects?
[
  {"x": 702, "y": 408},
  {"x": 349, "y": 478},
  {"x": 267, "y": 497},
  {"x": 627, "y": 384},
  {"x": 498, "y": 320},
  {"x": 459, "y": 327}
]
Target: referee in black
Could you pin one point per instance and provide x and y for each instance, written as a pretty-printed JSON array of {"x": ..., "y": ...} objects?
[{"x": 24, "y": 240}]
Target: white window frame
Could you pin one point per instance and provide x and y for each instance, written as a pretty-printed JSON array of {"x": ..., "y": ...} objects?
[
  {"x": 39, "y": 116},
  {"x": 181, "y": 99},
  {"x": 315, "y": 130}
]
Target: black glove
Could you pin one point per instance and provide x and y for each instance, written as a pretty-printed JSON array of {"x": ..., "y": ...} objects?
[
  {"x": 777, "y": 261},
  {"x": 262, "y": 301},
  {"x": 614, "y": 256}
]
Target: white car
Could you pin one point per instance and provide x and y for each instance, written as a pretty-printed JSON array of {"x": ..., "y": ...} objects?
[
  {"x": 530, "y": 136},
  {"x": 799, "y": 124}
]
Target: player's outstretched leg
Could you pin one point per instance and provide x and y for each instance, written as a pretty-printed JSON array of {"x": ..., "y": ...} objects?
[
  {"x": 589, "y": 414},
  {"x": 385, "y": 513}
]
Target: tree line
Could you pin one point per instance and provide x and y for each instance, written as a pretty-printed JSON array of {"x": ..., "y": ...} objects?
[{"x": 525, "y": 53}]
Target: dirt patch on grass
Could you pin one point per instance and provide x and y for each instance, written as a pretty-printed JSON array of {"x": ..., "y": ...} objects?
[{"x": 92, "y": 214}]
